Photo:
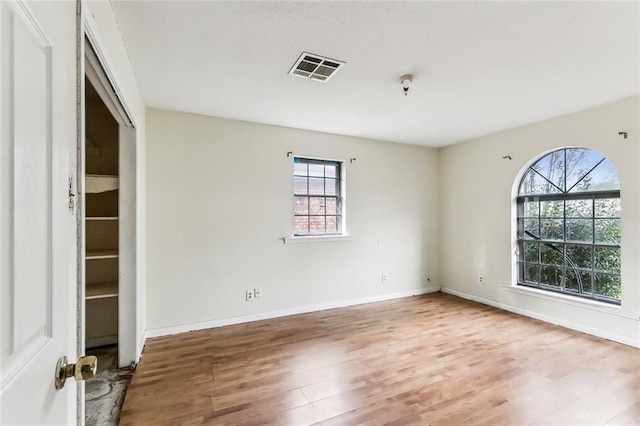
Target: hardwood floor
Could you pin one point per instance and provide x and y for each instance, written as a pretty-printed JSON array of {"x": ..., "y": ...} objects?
[{"x": 433, "y": 359}]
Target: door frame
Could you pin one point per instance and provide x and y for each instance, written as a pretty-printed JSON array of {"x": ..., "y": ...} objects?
[{"x": 129, "y": 223}]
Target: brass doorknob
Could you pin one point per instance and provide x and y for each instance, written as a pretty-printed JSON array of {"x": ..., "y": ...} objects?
[{"x": 85, "y": 368}]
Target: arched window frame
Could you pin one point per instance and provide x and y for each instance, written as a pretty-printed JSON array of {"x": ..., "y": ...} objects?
[{"x": 534, "y": 249}]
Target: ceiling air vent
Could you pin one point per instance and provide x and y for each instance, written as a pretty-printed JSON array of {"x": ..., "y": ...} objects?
[{"x": 315, "y": 67}]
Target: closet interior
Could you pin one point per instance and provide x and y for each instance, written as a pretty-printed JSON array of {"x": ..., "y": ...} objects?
[{"x": 101, "y": 221}]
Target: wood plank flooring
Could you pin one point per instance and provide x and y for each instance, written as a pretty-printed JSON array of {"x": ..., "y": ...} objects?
[{"x": 433, "y": 359}]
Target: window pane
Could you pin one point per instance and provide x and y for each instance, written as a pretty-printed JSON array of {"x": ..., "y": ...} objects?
[
  {"x": 580, "y": 230},
  {"x": 579, "y": 256},
  {"x": 579, "y": 162},
  {"x": 577, "y": 281},
  {"x": 299, "y": 185},
  {"x": 531, "y": 208},
  {"x": 552, "y": 229},
  {"x": 551, "y": 167},
  {"x": 531, "y": 252},
  {"x": 608, "y": 285},
  {"x": 531, "y": 274},
  {"x": 316, "y": 205},
  {"x": 607, "y": 259},
  {"x": 316, "y": 225},
  {"x": 550, "y": 276},
  {"x": 579, "y": 208},
  {"x": 332, "y": 224},
  {"x": 602, "y": 178},
  {"x": 301, "y": 205},
  {"x": 533, "y": 227},
  {"x": 316, "y": 186},
  {"x": 300, "y": 169},
  {"x": 551, "y": 255},
  {"x": 331, "y": 206},
  {"x": 330, "y": 170},
  {"x": 533, "y": 183},
  {"x": 608, "y": 231},
  {"x": 301, "y": 224},
  {"x": 316, "y": 170},
  {"x": 607, "y": 207},
  {"x": 331, "y": 187},
  {"x": 552, "y": 208}
]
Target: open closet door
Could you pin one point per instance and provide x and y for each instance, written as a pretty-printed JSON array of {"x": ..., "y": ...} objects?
[{"x": 38, "y": 73}]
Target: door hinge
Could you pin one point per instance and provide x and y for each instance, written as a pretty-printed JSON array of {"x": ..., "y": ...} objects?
[{"x": 72, "y": 195}]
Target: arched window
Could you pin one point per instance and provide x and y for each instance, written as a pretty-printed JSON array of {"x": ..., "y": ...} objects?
[{"x": 569, "y": 225}]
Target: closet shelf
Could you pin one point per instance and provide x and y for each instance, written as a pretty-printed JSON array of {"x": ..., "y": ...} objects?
[
  {"x": 101, "y": 254},
  {"x": 100, "y": 183},
  {"x": 101, "y": 290},
  {"x": 101, "y": 218}
]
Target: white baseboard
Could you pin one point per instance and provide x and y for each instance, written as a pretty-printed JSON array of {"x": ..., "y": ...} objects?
[
  {"x": 164, "y": 331},
  {"x": 140, "y": 347},
  {"x": 625, "y": 340}
]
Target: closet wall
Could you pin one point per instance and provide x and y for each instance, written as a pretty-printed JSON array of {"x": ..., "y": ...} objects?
[{"x": 101, "y": 222}]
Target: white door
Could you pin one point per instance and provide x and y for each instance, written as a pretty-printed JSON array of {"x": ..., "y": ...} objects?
[{"x": 38, "y": 310}]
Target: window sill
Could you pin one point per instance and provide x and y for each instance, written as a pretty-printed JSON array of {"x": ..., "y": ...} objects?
[
  {"x": 569, "y": 300},
  {"x": 316, "y": 239}
]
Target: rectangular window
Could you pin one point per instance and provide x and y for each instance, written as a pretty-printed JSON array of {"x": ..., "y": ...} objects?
[
  {"x": 571, "y": 244},
  {"x": 317, "y": 188}
]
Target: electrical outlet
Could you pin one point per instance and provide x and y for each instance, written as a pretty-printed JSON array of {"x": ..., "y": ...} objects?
[
  {"x": 481, "y": 279},
  {"x": 249, "y": 294},
  {"x": 257, "y": 293},
  {"x": 384, "y": 278}
]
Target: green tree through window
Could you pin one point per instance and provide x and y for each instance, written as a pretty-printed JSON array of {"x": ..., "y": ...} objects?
[{"x": 569, "y": 225}]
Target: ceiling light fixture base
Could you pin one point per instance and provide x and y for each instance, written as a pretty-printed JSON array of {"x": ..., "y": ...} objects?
[{"x": 406, "y": 81}]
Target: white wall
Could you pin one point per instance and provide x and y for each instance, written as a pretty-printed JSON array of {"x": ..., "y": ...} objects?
[
  {"x": 103, "y": 30},
  {"x": 476, "y": 215},
  {"x": 219, "y": 197}
]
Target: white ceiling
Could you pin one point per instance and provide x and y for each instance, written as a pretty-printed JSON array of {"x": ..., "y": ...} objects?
[{"x": 479, "y": 67}]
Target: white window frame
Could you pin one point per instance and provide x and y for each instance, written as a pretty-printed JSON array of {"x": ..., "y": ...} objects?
[
  {"x": 303, "y": 238},
  {"x": 516, "y": 284}
]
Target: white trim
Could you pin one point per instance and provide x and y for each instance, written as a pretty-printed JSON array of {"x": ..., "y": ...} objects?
[
  {"x": 90, "y": 32},
  {"x": 164, "y": 331},
  {"x": 94, "y": 71},
  {"x": 143, "y": 341},
  {"x": 567, "y": 299},
  {"x": 625, "y": 340},
  {"x": 127, "y": 246},
  {"x": 316, "y": 239}
]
